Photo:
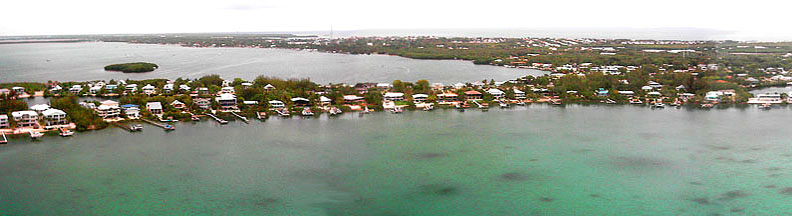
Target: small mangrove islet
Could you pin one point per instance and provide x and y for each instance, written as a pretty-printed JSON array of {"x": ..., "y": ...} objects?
[{"x": 135, "y": 67}]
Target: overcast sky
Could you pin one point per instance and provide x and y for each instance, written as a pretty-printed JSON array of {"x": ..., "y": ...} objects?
[{"x": 755, "y": 19}]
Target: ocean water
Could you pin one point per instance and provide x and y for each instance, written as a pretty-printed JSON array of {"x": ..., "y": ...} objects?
[
  {"x": 85, "y": 61},
  {"x": 534, "y": 160}
]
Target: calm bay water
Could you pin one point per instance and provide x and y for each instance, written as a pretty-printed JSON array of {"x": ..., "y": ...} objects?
[
  {"x": 85, "y": 61},
  {"x": 535, "y": 160}
]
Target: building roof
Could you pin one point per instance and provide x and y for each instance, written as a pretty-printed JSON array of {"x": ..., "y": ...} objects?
[
  {"x": 25, "y": 112},
  {"x": 299, "y": 99},
  {"x": 40, "y": 107},
  {"x": 53, "y": 112},
  {"x": 154, "y": 105},
  {"x": 495, "y": 91},
  {"x": 275, "y": 102},
  {"x": 226, "y": 97},
  {"x": 420, "y": 96},
  {"x": 471, "y": 92},
  {"x": 517, "y": 91},
  {"x": 324, "y": 99},
  {"x": 176, "y": 102},
  {"x": 394, "y": 94},
  {"x": 352, "y": 97}
]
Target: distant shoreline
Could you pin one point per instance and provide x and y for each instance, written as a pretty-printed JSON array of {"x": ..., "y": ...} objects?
[{"x": 43, "y": 41}]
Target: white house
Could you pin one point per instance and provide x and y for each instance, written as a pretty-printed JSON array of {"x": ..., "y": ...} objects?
[
  {"x": 27, "y": 118},
  {"x": 277, "y": 104},
  {"x": 109, "y": 109},
  {"x": 4, "y": 123},
  {"x": 178, "y": 104},
  {"x": 520, "y": 95},
  {"x": 394, "y": 96},
  {"x": 167, "y": 88},
  {"x": 227, "y": 90},
  {"x": 149, "y": 89},
  {"x": 39, "y": 108},
  {"x": 76, "y": 89},
  {"x": 203, "y": 103},
  {"x": 131, "y": 87},
  {"x": 496, "y": 93},
  {"x": 55, "y": 117},
  {"x": 131, "y": 111},
  {"x": 420, "y": 98},
  {"x": 154, "y": 108},
  {"x": 227, "y": 101}
]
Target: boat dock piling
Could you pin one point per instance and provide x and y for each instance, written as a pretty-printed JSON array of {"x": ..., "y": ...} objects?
[
  {"x": 244, "y": 119},
  {"x": 167, "y": 127},
  {"x": 219, "y": 120}
]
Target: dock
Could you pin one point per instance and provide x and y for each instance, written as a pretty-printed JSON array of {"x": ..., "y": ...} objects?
[
  {"x": 219, "y": 120},
  {"x": 244, "y": 119},
  {"x": 167, "y": 127},
  {"x": 4, "y": 140},
  {"x": 123, "y": 126}
]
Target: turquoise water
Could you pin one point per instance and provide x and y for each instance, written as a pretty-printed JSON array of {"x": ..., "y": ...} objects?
[{"x": 535, "y": 160}]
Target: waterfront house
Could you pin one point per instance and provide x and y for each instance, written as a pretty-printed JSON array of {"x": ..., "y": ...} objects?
[
  {"x": 519, "y": 95},
  {"x": 767, "y": 98},
  {"x": 227, "y": 102},
  {"x": 654, "y": 94},
  {"x": 394, "y": 96},
  {"x": 108, "y": 109},
  {"x": 713, "y": 95},
  {"x": 39, "y": 108},
  {"x": 167, "y": 88},
  {"x": 149, "y": 90},
  {"x": 496, "y": 93},
  {"x": 269, "y": 87},
  {"x": 5, "y": 91},
  {"x": 54, "y": 117},
  {"x": 420, "y": 98},
  {"x": 27, "y": 118},
  {"x": 203, "y": 103},
  {"x": 178, "y": 104},
  {"x": 132, "y": 111},
  {"x": 227, "y": 82},
  {"x": 363, "y": 88},
  {"x": 154, "y": 108},
  {"x": 227, "y": 90},
  {"x": 131, "y": 87},
  {"x": 473, "y": 95},
  {"x": 277, "y": 104},
  {"x": 4, "y": 123},
  {"x": 76, "y": 89},
  {"x": 353, "y": 99},
  {"x": 447, "y": 97},
  {"x": 654, "y": 84},
  {"x": 250, "y": 102},
  {"x": 298, "y": 101},
  {"x": 686, "y": 96},
  {"x": 646, "y": 88}
]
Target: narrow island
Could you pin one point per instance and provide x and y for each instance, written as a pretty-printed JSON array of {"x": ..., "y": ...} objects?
[{"x": 136, "y": 67}]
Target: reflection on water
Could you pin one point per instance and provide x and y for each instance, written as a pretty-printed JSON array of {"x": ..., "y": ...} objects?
[{"x": 534, "y": 160}]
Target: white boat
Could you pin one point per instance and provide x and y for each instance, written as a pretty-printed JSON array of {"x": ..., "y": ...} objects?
[
  {"x": 396, "y": 110},
  {"x": 136, "y": 127},
  {"x": 658, "y": 105},
  {"x": 66, "y": 132},
  {"x": 428, "y": 107},
  {"x": 707, "y": 105},
  {"x": 635, "y": 101},
  {"x": 521, "y": 103},
  {"x": 609, "y": 101},
  {"x": 335, "y": 111},
  {"x": 765, "y": 106},
  {"x": 503, "y": 105},
  {"x": 769, "y": 98},
  {"x": 307, "y": 112},
  {"x": 35, "y": 134}
]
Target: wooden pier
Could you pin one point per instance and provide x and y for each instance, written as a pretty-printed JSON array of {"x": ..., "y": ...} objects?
[
  {"x": 123, "y": 126},
  {"x": 219, "y": 120},
  {"x": 244, "y": 119},
  {"x": 167, "y": 127}
]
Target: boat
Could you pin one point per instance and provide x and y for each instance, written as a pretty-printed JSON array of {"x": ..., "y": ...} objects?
[
  {"x": 396, "y": 110},
  {"x": 521, "y": 103},
  {"x": 307, "y": 112},
  {"x": 261, "y": 115},
  {"x": 66, "y": 132},
  {"x": 707, "y": 105},
  {"x": 636, "y": 101},
  {"x": 556, "y": 102},
  {"x": 503, "y": 105},
  {"x": 136, "y": 127},
  {"x": 196, "y": 118},
  {"x": 365, "y": 110},
  {"x": 428, "y": 107},
  {"x": 609, "y": 101},
  {"x": 765, "y": 106},
  {"x": 658, "y": 105},
  {"x": 35, "y": 135},
  {"x": 335, "y": 111},
  {"x": 282, "y": 112}
]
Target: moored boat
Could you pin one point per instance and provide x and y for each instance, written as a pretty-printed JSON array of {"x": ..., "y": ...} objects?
[
  {"x": 766, "y": 106},
  {"x": 66, "y": 132},
  {"x": 35, "y": 135},
  {"x": 307, "y": 112},
  {"x": 396, "y": 110},
  {"x": 136, "y": 127}
]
